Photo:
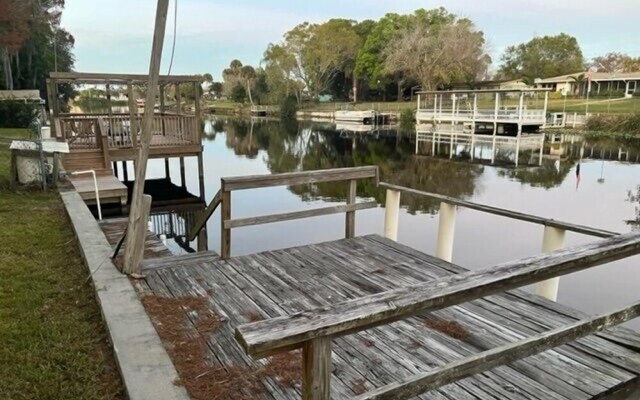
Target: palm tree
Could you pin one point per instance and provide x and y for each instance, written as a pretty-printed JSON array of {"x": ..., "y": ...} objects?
[
  {"x": 248, "y": 75},
  {"x": 579, "y": 81}
]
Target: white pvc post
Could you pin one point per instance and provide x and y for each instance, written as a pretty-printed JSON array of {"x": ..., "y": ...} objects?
[
  {"x": 553, "y": 239},
  {"x": 446, "y": 231},
  {"x": 95, "y": 185},
  {"x": 391, "y": 213}
]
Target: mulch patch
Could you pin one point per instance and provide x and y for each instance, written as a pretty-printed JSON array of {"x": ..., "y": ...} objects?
[
  {"x": 450, "y": 328},
  {"x": 186, "y": 344}
]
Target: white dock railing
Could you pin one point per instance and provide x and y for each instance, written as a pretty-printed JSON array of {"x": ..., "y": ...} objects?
[{"x": 552, "y": 238}]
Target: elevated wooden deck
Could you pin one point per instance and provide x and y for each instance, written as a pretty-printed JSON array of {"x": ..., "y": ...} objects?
[{"x": 213, "y": 296}]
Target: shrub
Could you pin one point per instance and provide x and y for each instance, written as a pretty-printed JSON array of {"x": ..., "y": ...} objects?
[
  {"x": 288, "y": 108},
  {"x": 406, "y": 119},
  {"x": 616, "y": 123},
  {"x": 17, "y": 114}
]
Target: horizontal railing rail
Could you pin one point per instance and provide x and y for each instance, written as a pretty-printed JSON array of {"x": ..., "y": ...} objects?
[
  {"x": 552, "y": 239},
  {"x": 314, "y": 330},
  {"x": 122, "y": 130},
  {"x": 352, "y": 175},
  {"x": 601, "y": 233}
]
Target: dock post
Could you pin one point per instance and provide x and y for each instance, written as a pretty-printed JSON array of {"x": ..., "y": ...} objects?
[
  {"x": 125, "y": 173},
  {"x": 316, "y": 369},
  {"x": 446, "y": 231},
  {"x": 350, "y": 220},
  {"x": 183, "y": 181},
  {"x": 391, "y": 213},
  {"x": 134, "y": 252},
  {"x": 225, "y": 234},
  {"x": 167, "y": 171},
  {"x": 553, "y": 239},
  {"x": 201, "y": 176}
]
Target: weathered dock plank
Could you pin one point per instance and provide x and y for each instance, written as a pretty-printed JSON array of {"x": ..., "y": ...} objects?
[{"x": 277, "y": 283}]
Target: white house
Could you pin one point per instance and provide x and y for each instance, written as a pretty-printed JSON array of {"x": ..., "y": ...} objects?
[{"x": 601, "y": 82}]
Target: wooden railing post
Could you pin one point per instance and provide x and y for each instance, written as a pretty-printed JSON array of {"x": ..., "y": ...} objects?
[
  {"x": 350, "y": 222},
  {"x": 553, "y": 239},
  {"x": 446, "y": 231},
  {"x": 316, "y": 369},
  {"x": 225, "y": 214},
  {"x": 391, "y": 213}
]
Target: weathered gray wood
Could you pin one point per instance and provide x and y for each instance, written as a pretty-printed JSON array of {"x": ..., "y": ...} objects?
[
  {"x": 266, "y": 219},
  {"x": 505, "y": 213},
  {"x": 298, "y": 178},
  {"x": 283, "y": 282},
  {"x": 267, "y": 337},
  {"x": 89, "y": 77},
  {"x": 350, "y": 219},
  {"x": 137, "y": 203},
  {"x": 201, "y": 222},
  {"x": 134, "y": 249},
  {"x": 225, "y": 234},
  {"x": 501, "y": 355},
  {"x": 133, "y": 129},
  {"x": 316, "y": 369}
]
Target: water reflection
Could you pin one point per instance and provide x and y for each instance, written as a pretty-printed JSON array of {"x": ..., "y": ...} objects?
[{"x": 605, "y": 196}]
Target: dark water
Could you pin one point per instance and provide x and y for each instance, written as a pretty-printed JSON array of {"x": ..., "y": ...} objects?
[{"x": 581, "y": 182}]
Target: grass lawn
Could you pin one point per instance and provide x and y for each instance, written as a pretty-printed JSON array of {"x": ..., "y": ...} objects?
[{"x": 53, "y": 344}]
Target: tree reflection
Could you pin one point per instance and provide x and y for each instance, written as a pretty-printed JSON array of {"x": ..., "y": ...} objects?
[
  {"x": 546, "y": 176},
  {"x": 292, "y": 146}
]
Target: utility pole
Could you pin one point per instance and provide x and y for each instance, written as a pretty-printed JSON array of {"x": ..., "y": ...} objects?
[{"x": 138, "y": 214}]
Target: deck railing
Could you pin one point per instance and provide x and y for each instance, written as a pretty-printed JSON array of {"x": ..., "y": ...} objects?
[
  {"x": 552, "y": 238},
  {"x": 228, "y": 185},
  {"x": 313, "y": 331},
  {"x": 167, "y": 130}
]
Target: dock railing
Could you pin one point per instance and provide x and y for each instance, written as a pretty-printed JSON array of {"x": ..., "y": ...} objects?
[
  {"x": 552, "y": 237},
  {"x": 230, "y": 184},
  {"x": 313, "y": 331},
  {"x": 169, "y": 129}
]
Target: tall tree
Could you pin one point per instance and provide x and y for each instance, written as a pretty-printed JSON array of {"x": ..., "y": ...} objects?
[
  {"x": 615, "y": 62},
  {"x": 542, "y": 57},
  {"x": 248, "y": 76},
  {"x": 322, "y": 51},
  {"x": 32, "y": 44},
  {"x": 280, "y": 64},
  {"x": 438, "y": 54}
]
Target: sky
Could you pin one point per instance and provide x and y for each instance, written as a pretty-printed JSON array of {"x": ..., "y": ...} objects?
[{"x": 115, "y": 35}]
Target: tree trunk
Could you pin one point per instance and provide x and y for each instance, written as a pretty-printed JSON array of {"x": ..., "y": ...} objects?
[
  {"x": 355, "y": 88},
  {"x": 249, "y": 93},
  {"x": 8, "y": 77},
  {"x": 400, "y": 90}
]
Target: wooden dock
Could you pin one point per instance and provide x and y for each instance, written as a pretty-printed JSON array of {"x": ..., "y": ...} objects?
[
  {"x": 110, "y": 189},
  {"x": 271, "y": 284},
  {"x": 114, "y": 228}
]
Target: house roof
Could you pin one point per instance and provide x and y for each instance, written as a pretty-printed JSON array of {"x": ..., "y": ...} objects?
[{"x": 595, "y": 76}]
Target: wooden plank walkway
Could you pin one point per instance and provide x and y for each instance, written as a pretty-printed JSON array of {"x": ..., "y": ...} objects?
[
  {"x": 275, "y": 283},
  {"x": 114, "y": 228},
  {"x": 111, "y": 190}
]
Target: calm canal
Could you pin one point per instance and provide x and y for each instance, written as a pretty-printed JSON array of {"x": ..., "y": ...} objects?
[{"x": 595, "y": 189}]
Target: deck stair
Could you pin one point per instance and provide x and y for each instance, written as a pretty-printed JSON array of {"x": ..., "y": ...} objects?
[{"x": 81, "y": 160}]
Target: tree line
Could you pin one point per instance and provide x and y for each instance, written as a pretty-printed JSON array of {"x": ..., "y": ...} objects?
[
  {"x": 32, "y": 44},
  {"x": 390, "y": 58}
]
